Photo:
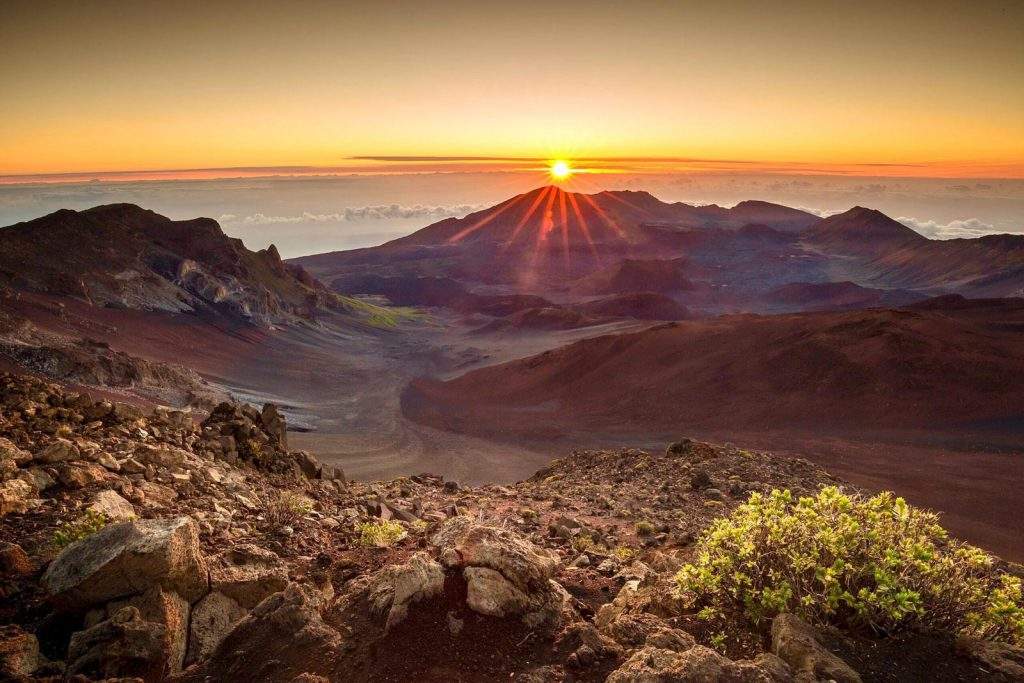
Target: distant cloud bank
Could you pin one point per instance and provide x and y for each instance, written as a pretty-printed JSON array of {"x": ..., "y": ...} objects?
[
  {"x": 359, "y": 214},
  {"x": 966, "y": 227}
]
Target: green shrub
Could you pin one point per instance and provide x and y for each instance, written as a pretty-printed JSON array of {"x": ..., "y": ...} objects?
[
  {"x": 380, "y": 534},
  {"x": 86, "y": 525},
  {"x": 624, "y": 553},
  {"x": 860, "y": 563}
]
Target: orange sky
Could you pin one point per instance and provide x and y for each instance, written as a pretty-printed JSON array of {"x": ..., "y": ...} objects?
[{"x": 932, "y": 87}]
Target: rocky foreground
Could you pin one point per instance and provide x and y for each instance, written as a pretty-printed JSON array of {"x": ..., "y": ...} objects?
[{"x": 155, "y": 546}]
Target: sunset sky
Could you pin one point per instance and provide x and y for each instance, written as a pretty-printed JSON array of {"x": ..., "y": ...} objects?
[{"x": 930, "y": 88}]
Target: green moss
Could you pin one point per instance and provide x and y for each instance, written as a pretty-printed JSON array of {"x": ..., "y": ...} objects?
[
  {"x": 874, "y": 564},
  {"x": 379, "y": 316},
  {"x": 645, "y": 528}
]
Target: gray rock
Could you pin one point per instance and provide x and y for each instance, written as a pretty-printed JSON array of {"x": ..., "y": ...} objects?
[{"x": 127, "y": 559}]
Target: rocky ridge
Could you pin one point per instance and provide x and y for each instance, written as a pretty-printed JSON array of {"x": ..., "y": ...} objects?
[{"x": 161, "y": 546}]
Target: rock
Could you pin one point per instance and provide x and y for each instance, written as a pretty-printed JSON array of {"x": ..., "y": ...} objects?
[
  {"x": 160, "y": 456},
  {"x": 283, "y": 637},
  {"x": 309, "y": 465},
  {"x": 681, "y": 447},
  {"x": 170, "y": 611},
  {"x": 11, "y": 453},
  {"x": 700, "y": 480},
  {"x": 213, "y": 617},
  {"x": 797, "y": 644},
  {"x": 274, "y": 425},
  {"x": 714, "y": 494},
  {"x": 123, "y": 646},
  {"x": 126, "y": 559},
  {"x": 16, "y": 496},
  {"x": 515, "y": 563},
  {"x": 247, "y": 574},
  {"x": 489, "y": 592},
  {"x": 112, "y": 506},
  {"x": 108, "y": 461},
  {"x": 19, "y": 653},
  {"x": 14, "y": 561},
  {"x": 1002, "y": 660},
  {"x": 77, "y": 475},
  {"x": 395, "y": 587},
  {"x": 653, "y": 665},
  {"x": 38, "y": 478},
  {"x": 58, "y": 450}
]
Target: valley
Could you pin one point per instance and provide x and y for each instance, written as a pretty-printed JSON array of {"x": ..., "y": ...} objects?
[{"x": 480, "y": 348}]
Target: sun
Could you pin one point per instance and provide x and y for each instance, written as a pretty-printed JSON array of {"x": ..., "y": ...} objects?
[{"x": 560, "y": 170}]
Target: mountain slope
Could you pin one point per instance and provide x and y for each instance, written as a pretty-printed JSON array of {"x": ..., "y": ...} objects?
[
  {"x": 868, "y": 369},
  {"x": 121, "y": 255}
]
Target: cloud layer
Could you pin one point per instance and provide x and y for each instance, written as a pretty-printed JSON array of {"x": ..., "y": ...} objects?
[
  {"x": 354, "y": 214},
  {"x": 965, "y": 227}
]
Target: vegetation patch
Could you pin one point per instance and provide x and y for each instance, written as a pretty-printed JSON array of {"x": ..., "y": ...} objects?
[
  {"x": 869, "y": 564},
  {"x": 382, "y": 534},
  {"x": 379, "y": 316},
  {"x": 77, "y": 529}
]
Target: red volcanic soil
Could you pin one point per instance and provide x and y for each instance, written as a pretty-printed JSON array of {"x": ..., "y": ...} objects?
[
  {"x": 837, "y": 296},
  {"x": 878, "y": 368},
  {"x": 924, "y": 400},
  {"x": 641, "y": 305},
  {"x": 548, "y": 318},
  {"x": 636, "y": 275}
]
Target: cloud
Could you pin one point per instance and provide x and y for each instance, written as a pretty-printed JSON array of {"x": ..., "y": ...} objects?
[
  {"x": 356, "y": 214},
  {"x": 964, "y": 227}
]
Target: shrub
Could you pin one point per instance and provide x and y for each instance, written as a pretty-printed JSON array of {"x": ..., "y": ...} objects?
[
  {"x": 645, "y": 528},
  {"x": 380, "y": 534},
  {"x": 624, "y": 553},
  {"x": 77, "y": 529},
  {"x": 860, "y": 563},
  {"x": 288, "y": 507}
]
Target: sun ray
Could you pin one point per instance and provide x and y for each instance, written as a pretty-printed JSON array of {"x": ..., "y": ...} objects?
[
  {"x": 604, "y": 216},
  {"x": 526, "y": 217},
  {"x": 584, "y": 228},
  {"x": 484, "y": 221},
  {"x": 563, "y": 215}
]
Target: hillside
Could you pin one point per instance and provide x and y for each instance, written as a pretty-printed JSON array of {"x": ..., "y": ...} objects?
[
  {"x": 156, "y": 547},
  {"x": 124, "y": 256},
  {"x": 877, "y": 368}
]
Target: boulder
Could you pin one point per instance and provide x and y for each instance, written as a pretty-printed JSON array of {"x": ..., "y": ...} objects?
[
  {"x": 519, "y": 578},
  {"x": 653, "y": 665},
  {"x": 19, "y": 653},
  {"x": 395, "y": 587},
  {"x": 11, "y": 453},
  {"x": 127, "y": 559},
  {"x": 58, "y": 450},
  {"x": 112, "y": 506},
  {"x": 247, "y": 574},
  {"x": 797, "y": 643},
  {"x": 489, "y": 592},
  {"x": 283, "y": 637},
  {"x": 170, "y": 611},
  {"x": 213, "y": 617},
  {"x": 77, "y": 475},
  {"x": 274, "y": 425},
  {"x": 14, "y": 561},
  {"x": 123, "y": 646},
  {"x": 16, "y": 496}
]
